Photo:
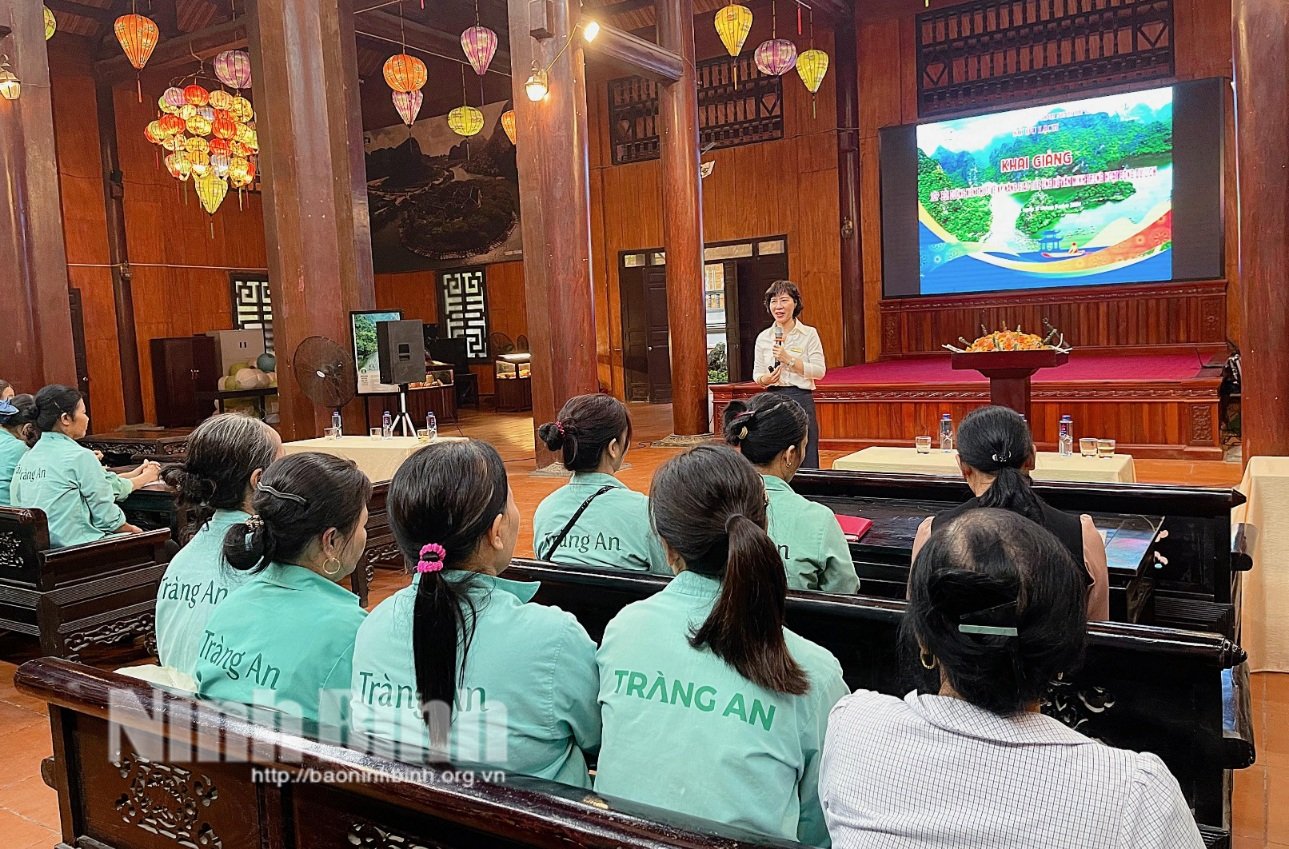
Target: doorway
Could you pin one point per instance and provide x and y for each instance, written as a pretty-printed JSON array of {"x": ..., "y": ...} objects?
[{"x": 735, "y": 277}]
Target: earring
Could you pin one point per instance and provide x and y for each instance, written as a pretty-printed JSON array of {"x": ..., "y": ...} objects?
[
  {"x": 331, "y": 573},
  {"x": 928, "y": 660}
]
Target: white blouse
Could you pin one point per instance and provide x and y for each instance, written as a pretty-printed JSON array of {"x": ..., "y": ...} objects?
[
  {"x": 934, "y": 772},
  {"x": 802, "y": 344}
]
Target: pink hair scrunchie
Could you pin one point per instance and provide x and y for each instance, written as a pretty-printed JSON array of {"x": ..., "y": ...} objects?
[{"x": 432, "y": 557}]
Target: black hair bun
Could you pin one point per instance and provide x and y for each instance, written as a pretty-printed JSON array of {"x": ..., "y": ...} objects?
[
  {"x": 552, "y": 435},
  {"x": 735, "y": 421}
]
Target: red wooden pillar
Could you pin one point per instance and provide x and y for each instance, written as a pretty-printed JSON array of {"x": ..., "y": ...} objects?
[
  {"x": 36, "y": 345},
  {"x": 315, "y": 186},
  {"x": 682, "y": 209},
  {"x": 1261, "y": 42},
  {"x": 555, "y": 207}
]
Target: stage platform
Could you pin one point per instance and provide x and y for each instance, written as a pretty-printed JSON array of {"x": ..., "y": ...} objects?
[{"x": 1161, "y": 406}]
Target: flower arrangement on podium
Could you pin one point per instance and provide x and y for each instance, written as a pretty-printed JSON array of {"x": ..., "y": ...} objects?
[{"x": 1012, "y": 340}]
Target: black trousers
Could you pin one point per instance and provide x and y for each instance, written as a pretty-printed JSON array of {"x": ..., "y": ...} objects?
[{"x": 806, "y": 399}]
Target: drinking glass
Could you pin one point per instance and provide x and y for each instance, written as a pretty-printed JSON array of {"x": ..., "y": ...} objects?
[
  {"x": 423, "y": 434},
  {"x": 923, "y": 444},
  {"x": 1088, "y": 446},
  {"x": 1105, "y": 448},
  {"x": 332, "y": 433},
  {"x": 376, "y": 432}
]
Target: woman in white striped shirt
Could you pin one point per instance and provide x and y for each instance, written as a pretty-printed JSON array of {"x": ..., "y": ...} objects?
[{"x": 997, "y": 607}]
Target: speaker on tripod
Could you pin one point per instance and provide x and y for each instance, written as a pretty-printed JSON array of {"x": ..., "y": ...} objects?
[{"x": 400, "y": 352}]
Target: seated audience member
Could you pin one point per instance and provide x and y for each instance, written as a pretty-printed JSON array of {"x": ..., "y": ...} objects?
[
  {"x": 997, "y": 608},
  {"x": 460, "y": 663},
  {"x": 16, "y": 435},
  {"x": 215, "y": 487},
  {"x": 995, "y": 454},
  {"x": 770, "y": 430},
  {"x": 285, "y": 638},
  {"x": 710, "y": 706},
  {"x": 64, "y": 479},
  {"x": 6, "y": 390},
  {"x": 594, "y": 520}
]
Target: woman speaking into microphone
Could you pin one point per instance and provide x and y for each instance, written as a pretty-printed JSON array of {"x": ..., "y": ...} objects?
[{"x": 790, "y": 358}]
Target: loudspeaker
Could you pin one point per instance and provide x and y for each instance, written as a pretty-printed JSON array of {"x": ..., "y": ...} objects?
[{"x": 400, "y": 349}]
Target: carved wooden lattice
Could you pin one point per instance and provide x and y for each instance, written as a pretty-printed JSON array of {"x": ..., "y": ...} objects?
[
  {"x": 730, "y": 113},
  {"x": 168, "y": 801},
  {"x": 252, "y": 306},
  {"x": 989, "y": 53},
  {"x": 465, "y": 310}
]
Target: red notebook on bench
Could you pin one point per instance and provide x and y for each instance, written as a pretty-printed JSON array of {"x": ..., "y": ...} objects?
[{"x": 854, "y": 527}]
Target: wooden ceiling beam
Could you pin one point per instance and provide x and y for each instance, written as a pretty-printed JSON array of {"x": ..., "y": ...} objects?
[
  {"x": 384, "y": 26},
  {"x": 205, "y": 43},
  {"x": 834, "y": 10},
  {"x": 93, "y": 13},
  {"x": 637, "y": 55}
]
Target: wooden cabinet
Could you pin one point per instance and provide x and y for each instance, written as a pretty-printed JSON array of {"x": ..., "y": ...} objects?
[
  {"x": 181, "y": 367},
  {"x": 514, "y": 394}
]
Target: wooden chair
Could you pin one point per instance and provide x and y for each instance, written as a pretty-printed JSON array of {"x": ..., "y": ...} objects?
[{"x": 80, "y": 597}]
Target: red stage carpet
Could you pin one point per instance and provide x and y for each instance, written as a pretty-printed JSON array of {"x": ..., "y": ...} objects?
[{"x": 1081, "y": 367}]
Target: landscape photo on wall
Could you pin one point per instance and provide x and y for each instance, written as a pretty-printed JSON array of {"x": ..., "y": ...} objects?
[{"x": 439, "y": 200}]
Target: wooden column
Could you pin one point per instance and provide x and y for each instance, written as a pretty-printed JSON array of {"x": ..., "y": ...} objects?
[
  {"x": 315, "y": 192},
  {"x": 682, "y": 210},
  {"x": 1261, "y": 42},
  {"x": 852, "y": 278},
  {"x": 36, "y": 345},
  {"x": 555, "y": 207}
]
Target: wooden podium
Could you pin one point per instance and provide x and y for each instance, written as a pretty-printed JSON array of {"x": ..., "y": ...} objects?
[{"x": 1009, "y": 373}]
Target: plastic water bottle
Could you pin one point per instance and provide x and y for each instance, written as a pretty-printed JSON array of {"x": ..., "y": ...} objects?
[
  {"x": 1065, "y": 436},
  {"x": 336, "y": 423},
  {"x": 432, "y": 425},
  {"x": 386, "y": 425},
  {"x": 946, "y": 433}
]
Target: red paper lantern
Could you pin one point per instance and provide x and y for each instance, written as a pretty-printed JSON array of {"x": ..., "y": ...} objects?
[
  {"x": 196, "y": 95},
  {"x": 172, "y": 124},
  {"x": 138, "y": 37},
  {"x": 224, "y": 127},
  {"x": 220, "y": 146}
]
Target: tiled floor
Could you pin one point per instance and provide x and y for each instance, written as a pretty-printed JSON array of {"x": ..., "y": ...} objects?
[{"x": 29, "y": 810}]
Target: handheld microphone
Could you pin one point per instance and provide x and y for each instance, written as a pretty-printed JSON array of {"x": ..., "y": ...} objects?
[{"x": 778, "y": 340}]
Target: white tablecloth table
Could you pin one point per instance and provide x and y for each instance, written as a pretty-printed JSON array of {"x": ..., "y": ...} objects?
[
  {"x": 1049, "y": 466},
  {"x": 377, "y": 458},
  {"x": 1264, "y": 617}
]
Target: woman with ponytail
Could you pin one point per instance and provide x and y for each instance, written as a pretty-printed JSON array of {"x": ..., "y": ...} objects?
[
  {"x": 996, "y": 613},
  {"x": 770, "y": 430},
  {"x": 996, "y": 454},
  {"x": 594, "y": 520},
  {"x": 17, "y": 413},
  {"x": 460, "y": 665},
  {"x": 711, "y": 707},
  {"x": 214, "y": 489},
  {"x": 284, "y": 639}
]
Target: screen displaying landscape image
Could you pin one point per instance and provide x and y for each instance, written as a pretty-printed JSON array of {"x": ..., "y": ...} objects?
[{"x": 1074, "y": 194}]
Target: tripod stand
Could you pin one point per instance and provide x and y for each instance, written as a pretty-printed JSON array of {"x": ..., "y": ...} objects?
[{"x": 403, "y": 421}]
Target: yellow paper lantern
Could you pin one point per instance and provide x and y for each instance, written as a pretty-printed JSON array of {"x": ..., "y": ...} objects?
[
  {"x": 178, "y": 166},
  {"x": 465, "y": 121},
  {"x": 405, "y": 73},
  {"x": 186, "y": 111},
  {"x": 812, "y": 65},
  {"x": 733, "y": 23},
  {"x": 196, "y": 145},
  {"x": 154, "y": 133},
  {"x": 508, "y": 124},
  {"x": 211, "y": 191},
  {"x": 175, "y": 143},
  {"x": 51, "y": 23},
  {"x": 198, "y": 126},
  {"x": 241, "y": 109},
  {"x": 221, "y": 99},
  {"x": 200, "y": 163}
]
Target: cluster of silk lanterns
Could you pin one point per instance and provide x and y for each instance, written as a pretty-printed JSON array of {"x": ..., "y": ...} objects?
[
  {"x": 210, "y": 135},
  {"x": 775, "y": 56},
  {"x": 406, "y": 76}
]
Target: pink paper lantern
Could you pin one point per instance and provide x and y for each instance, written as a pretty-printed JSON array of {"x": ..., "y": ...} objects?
[
  {"x": 408, "y": 104},
  {"x": 776, "y": 57},
  {"x": 480, "y": 45},
  {"x": 233, "y": 67}
]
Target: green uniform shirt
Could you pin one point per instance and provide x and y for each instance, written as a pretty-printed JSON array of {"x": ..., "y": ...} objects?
[
  {"x": 196, "y": 580},
  {"x": 684, "y": 731},
  {"x": 810, "y": 541},
  {"x": 613, "y": 532},
  {"x": 121, "y": 487},
  {"x": 527, "y": 699},
  {"x": 280, "y": 640},
  {"x": 11, "y": 451},
  {"x": 66, "y": 481}
]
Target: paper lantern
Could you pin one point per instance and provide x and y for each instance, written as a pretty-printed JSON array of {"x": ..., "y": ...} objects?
[
  {"x": 220, "y": 163},
  {"x": 196, "y": 144},
  {"x": 178, "y": 166},
  {"x": 243, "y": 133},
  {"x": 177, "y": 143},
  {"x": 238, "y": 149},
  {"x": 776, "y": 57},
  {"x": 224, "y": 127},
  {"x": 198, "y": 126},
  {"x": 733, "y": 23},
  {"x": 241, "y": 109},
  {"x": 187, "y": 111},
  {"x": 51, "y": 23},
  {"x": 408, "y": 105},
  {"x": 200, "y": 163},
  {"x": 480, "y": 45},
  {"x": 465, "y": 121},
  {"x": 138, "y": 37},
  {"x": 233, "y": 67},
  {"x": 219, "y": 146},
  {"x": 221, "y": 100},
  {"x": 405, "y": 73},
  {"x": 171, "y": 124},
  {"x": 211, "y": 191},
  {"x": 207, "y": 112},
  {"x": 154, "y": 132},
  {"x": 172, "y": 100},
  {"x": 508, "y": 124},
  {"x": 812, "y": 65},
  {"x": 196, "y": 95},
  {"x": 241, "y": 172}
]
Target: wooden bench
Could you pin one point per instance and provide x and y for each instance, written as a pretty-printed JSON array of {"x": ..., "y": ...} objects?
[
  {"x": 174, "y": 772},
  {"x": 1188, "y": 576},
  {"x": 1142, "y": 688},
  {"x": 80, "y": 597}
]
